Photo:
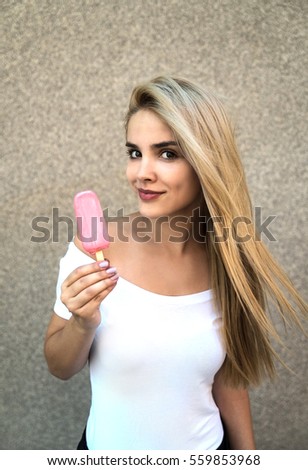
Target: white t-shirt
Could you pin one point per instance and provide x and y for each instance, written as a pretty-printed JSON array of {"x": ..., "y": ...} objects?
[{"x": 152, "y": 366}]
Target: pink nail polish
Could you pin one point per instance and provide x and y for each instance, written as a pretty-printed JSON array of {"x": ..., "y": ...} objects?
[
  {"x": 111, "y": 270},
  {"x": 103, "y": 264}
]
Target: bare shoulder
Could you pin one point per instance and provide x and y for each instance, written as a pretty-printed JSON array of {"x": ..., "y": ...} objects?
[
  {"x": 119, "y": 231},
  {"x": 120, "y": 237},
  {"x": 119, "y": 228},
  {"x": 79, "y": 245}
]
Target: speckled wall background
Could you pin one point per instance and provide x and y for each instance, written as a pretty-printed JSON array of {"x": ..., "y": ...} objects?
[{"x": 68, "y": 68}]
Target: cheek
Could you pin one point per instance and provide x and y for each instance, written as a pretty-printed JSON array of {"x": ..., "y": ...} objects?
[
  {"x": 189, "y": 182},
  {"x": 193, "y": 179}
]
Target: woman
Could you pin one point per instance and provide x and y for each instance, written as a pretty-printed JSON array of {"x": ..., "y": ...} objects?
[{"x": 178, "y": 331}]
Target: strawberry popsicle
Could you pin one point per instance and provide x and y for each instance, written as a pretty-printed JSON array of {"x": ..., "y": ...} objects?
[{"x": 91, "y": 225}]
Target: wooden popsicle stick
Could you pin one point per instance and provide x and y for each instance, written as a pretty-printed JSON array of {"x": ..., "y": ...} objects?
[{"x": 99, "y": 256}]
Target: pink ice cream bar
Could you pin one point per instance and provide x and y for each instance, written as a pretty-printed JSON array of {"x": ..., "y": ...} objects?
[{"x": 91, "y": 225}]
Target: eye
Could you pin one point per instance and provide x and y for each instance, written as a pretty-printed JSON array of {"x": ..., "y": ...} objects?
[
  {"x": 168, "y": 155},
  {"x": 133, "y": 154}
]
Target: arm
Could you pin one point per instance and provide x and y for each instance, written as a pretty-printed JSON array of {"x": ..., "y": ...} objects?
[
  {"x": 67, "y": 346},
  {"x": 68, "y": 342},
  {"x": 234, "y": 406}
]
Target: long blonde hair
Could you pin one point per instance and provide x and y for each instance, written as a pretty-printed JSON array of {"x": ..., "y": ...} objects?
[{"x": 244, "y": 275}]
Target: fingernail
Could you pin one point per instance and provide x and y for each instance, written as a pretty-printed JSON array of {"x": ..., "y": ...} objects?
[
  {"x": 111, "y": 270},
  {"x": 114, "y": 278},
  {"x": 103, "y": 264}
]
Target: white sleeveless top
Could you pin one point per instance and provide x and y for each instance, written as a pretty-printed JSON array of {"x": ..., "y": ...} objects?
[{"x": 152, "y": 367}]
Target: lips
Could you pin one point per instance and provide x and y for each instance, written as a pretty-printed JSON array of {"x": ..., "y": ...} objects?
[{"x": 148, "y": 195}]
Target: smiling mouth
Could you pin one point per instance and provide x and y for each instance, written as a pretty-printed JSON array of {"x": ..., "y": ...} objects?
[{"x": 148, "y": 195}]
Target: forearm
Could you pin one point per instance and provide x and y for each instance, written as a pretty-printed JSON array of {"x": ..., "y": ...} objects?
[
  {"x": 234, "y": 407},
  {"x": 236, "y": 415},
  {"x": 67, "y": 350}
]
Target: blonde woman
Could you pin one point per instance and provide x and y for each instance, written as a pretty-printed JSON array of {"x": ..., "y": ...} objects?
[{"x": 177, "y": 331}]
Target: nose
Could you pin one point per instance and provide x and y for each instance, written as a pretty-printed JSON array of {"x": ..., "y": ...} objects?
[{"x": 146, "y": 169}]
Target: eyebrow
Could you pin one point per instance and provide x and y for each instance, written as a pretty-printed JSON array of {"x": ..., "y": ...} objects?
[{"x": 167, "y": 143}]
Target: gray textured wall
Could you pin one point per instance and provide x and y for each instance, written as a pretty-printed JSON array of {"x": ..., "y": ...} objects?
[{"x": 68, "y": 68}]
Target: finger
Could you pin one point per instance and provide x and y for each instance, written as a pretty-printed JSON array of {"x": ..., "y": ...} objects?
[
  {"x": 88, "y": 280},
  {"x": 93, "y": 304},
  {"x": 82, "y": 271},
  {"x": 95, "y": 292}
]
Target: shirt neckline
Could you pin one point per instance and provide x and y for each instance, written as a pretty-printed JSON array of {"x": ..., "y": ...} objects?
[{"x": 195, "y": 297}]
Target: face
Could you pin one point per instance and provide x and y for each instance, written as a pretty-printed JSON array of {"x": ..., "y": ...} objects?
[{"x": 164, "y": 181}]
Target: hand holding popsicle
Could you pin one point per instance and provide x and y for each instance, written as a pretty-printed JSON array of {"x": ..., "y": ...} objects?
[
  {"x": 86, "y": 287},
  {"x": 84, "y": 290}
]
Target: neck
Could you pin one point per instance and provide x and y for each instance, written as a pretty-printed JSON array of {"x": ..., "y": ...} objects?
[{"x": 175, "y": 233}]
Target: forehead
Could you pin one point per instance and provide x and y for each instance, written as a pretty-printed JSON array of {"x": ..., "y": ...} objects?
[{"x": 146, "y": 123}]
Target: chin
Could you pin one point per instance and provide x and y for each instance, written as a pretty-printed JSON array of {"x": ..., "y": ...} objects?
[
  {"x": 152, "y": 214},
  {"x": 156, "y": 213}
]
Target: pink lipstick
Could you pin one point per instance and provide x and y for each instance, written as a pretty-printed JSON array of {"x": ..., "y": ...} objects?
[{"x": 148, "y": 195}]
